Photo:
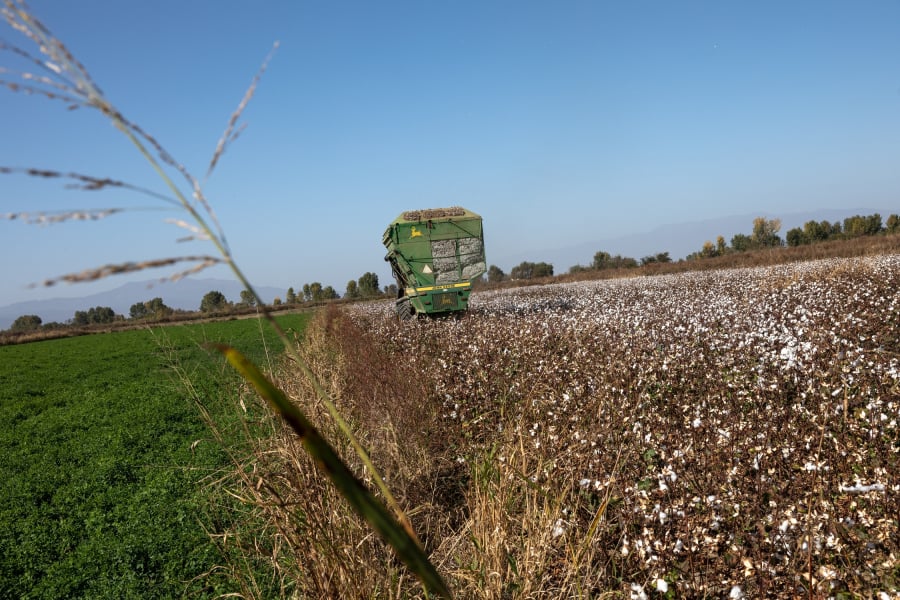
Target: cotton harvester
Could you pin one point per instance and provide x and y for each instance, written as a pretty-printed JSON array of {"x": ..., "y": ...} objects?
[{"x": 435, "y": 254}]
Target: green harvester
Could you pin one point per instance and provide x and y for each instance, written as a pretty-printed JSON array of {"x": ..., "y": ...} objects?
[{"x": 435, "y": 255}]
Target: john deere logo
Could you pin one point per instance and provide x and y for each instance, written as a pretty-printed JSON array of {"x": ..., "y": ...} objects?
[{"x": 414, "y": 232}]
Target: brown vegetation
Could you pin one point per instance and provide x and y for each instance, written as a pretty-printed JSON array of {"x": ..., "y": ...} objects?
[{"x": 697, "y": 434}]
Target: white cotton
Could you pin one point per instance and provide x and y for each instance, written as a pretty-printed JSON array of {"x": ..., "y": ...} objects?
[
  {"x": 637, "y": 592},
  {"x": 559, "y": 528},
  {"x": 862, "y": 489},
  {"x": 662, "y": 586}
]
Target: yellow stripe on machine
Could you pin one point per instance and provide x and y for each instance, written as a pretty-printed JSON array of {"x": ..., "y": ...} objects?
[{"x": 451, "y": 286}]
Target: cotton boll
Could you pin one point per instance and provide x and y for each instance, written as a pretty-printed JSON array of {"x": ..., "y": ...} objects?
[{"x": 637, "y": 592}]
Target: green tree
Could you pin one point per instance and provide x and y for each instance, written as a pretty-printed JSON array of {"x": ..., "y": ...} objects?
[
  {"x": 95, "y": 315},
  {"x": 352, "y": 290},
  {"x": 741, "y": 242},
  {"x": 796, "y": 237},
  {"x": 26, "y": 323},
  {"x": 624, "y": 262},
  {"x": 213, "y": 301},
  {"x": 604, "y": 260},
  {"x": 158, "y": 308},
  {"x": 708, "y": 250},
  {"x": 662, "y": 257},
  {"x": 291, "y": 296},
  {"x": 721, "y": 246},
  {"x": 543, "y": 269},
  {"x": 247, "y": 298},
  {"x": 523, "y": 270},
  {"x": 601, "y": 260},
  {"x": 315, "y": 292},
  {"x": 307, "y": 293},
  {"x": 765, "y": 232},
  {"x": 151, "y": 309},
  {"x": 858, "y": 225},
  {"x": 892, "y": 225},
  {"x": 329, "y": 293},
  {"x": 530, "y": 270},
  {"x": 814, "y": 231},
  {"x": 138, "y": 311},
  {"x": 368, "y": 285},
  {"x": 495, "y": 274},
  {"x": 836, "y": 230},
  {"x": 391, "y": 290}
]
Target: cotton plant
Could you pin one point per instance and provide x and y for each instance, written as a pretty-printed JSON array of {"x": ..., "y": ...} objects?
[{"x": 722, "y": 386}]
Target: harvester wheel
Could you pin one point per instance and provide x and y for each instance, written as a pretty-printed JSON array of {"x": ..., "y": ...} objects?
[{"x": 404, "y": 310}]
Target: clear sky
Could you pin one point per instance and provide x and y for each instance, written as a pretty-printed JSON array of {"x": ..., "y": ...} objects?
[{"x": 559, "y": 122}]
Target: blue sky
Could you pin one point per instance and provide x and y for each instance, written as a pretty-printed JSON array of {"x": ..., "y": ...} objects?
[{"x": 559, "y": 122}]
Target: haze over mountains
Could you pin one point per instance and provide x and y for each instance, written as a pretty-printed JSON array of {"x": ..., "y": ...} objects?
[{"x": 678, "y": 240}]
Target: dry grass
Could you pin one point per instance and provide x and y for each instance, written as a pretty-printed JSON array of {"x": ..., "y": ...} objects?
[{"x": 312, "y": 543}]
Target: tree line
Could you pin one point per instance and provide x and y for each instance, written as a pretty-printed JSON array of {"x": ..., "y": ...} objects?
[
  {"x": 366, "y": 286},
  {"x": 853, "y": 227},
  {"x": 213, "y": 302},
  {"x": 764, "y": 234}
]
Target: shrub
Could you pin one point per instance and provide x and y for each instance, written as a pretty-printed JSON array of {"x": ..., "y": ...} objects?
[
  {"x": 26, "y": 323},
  {"x": 213, "y": 301}
]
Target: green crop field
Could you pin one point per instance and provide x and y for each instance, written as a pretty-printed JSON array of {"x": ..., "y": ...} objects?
[{"x": 104, "y": 456}]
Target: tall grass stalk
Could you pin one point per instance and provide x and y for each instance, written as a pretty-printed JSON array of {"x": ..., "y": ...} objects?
[{"x": 59, "y": 76}]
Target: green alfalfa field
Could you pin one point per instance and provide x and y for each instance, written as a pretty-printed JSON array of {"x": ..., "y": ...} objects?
[{"x": 107, "y": 460}]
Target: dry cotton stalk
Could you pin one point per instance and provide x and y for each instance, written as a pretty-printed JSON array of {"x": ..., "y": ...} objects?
[{"x": 129, "y": 267}]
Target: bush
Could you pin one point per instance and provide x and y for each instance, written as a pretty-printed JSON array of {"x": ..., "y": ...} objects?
[
  {"x": 213, "y": 301},
  {"x": 26, "y": 323},
  {"x": 530, "y": 270},
  {"x": 151, "y": 309},
  {"x": 94, "y": 316}
]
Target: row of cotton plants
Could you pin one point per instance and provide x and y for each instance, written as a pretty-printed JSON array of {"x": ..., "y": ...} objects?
[{"x": 724, "y": 432}]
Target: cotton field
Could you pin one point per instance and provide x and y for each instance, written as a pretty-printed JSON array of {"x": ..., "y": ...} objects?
[{"x": 731, "y": 433}]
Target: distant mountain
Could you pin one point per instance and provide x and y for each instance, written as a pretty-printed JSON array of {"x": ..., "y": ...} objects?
[
  {"x": 183, "y": 294},
  {"x": 678, "y": 239}
]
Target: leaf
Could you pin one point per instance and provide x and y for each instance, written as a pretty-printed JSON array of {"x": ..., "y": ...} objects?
[{"x": 327, "y": 460}]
